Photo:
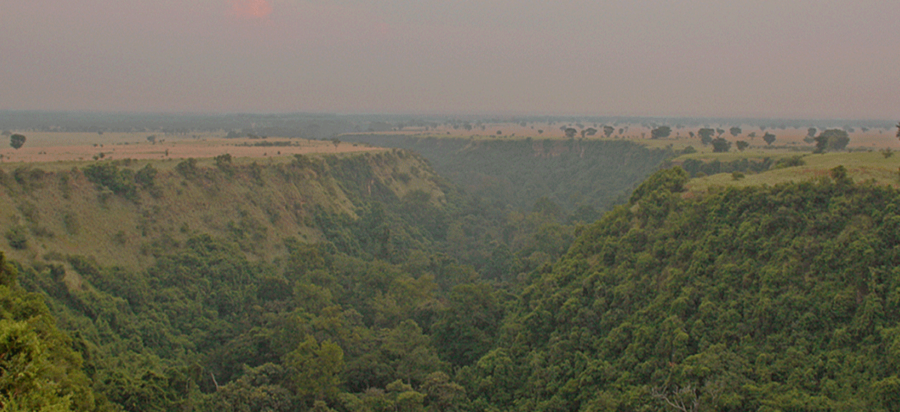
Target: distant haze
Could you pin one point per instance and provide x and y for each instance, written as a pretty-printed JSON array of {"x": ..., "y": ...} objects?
[{"x": 793, "y": 58}]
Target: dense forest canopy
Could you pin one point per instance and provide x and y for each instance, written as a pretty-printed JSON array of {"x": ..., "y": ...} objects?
[
  {"x": 757, "y": 298},
  {"x": 586, "y": 175}
]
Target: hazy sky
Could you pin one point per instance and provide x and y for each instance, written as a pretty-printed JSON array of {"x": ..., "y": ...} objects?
[{"x": 754, "y": 58}]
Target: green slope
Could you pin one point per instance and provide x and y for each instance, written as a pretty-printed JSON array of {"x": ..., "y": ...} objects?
[
  {"x": 748, "y": 298},
  {"x": 125, "y": 212}
]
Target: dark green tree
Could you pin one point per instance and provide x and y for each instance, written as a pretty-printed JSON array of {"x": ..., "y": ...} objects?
[
  {"x": 720, "y": 145},
  {"x": 741, "y": 145},
  {"x": 735, "y": 131},
  {"x": 660, "y": 132},
  {"x": 705, "y": 135},
  {"x": 17, "y": 141},
  {"x": 608, "y": 130},
  {"x": 769, "y": 138},
  {"x": 832, "y": 140}
]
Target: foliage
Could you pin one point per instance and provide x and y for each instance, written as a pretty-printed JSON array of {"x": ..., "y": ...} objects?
[
  {"x": 720, "y": 145},
  {"x": 108, "y": 175},
  {"x": 695, "y": 166},
  {"x": 741, "y": 145},
  {"x": 705, "y": 135},
  {"x": 514, "y": 174},
  {"x": 792, "y": 161},
  {"x": 775, "y": 298},
  {"x": 769, "y": 138},
  {"x": 660, "y": 132},
  {"x": 17, "y": 236},
  {"x": 17, "y": 141},
  {"x": 831, "y": 140},
  {"x": 38, "y": 369}
]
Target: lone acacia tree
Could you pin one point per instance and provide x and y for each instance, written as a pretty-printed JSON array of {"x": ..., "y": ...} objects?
[{"x": 17, "y": 141}]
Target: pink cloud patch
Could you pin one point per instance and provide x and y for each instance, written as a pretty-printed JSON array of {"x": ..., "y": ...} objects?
[{"x": 251, "y": 9}]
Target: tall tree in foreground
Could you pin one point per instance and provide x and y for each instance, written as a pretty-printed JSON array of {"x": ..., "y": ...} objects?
[{"x": 39, "y": 371}]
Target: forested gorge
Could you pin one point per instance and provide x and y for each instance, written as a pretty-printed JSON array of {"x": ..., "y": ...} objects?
[
  {"x": 583, "y": 175},
  {"x": 400, "y": 292},
  {"x": 373, "y": 305},
  {"x": 757, "y": 298}
]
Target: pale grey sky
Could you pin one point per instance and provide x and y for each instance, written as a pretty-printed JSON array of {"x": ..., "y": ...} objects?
[{"x": 751, "y": 58}]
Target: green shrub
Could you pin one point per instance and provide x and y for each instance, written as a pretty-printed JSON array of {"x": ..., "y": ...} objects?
[
  {"x": 790, "y": 162},
  {"x": 107, "y": 175},
  {"x": 17, "y": 237}
]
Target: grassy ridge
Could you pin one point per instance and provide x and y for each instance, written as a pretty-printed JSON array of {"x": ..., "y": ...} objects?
[{"x": 255, "y": 204}]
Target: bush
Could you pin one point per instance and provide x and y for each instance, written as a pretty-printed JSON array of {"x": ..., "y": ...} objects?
[
  {"x": 107, "y": 175},
  {"x": 188, "y": 168},
  {"x": 790, "y": 162},
  {"x": 17, "y": 237}
]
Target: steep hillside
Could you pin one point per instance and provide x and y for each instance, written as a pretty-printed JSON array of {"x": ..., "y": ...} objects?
[
  {"x": 751, "y": 298},
  {"x": 336, "y": 281},
  {"x": 126, "y": 212},
  {"x": 573, "y": 173}
]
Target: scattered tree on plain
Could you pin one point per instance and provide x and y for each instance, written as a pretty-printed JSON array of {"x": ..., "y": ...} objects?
[
  {"x": 705, "y": 135},
  {"x": 769, "y": 138},
  {"x": 608, "y": 130},
  {"x": 741, "y": 145},
  {"x": 720, "y": 145},
  {"x": 735, "y": 131},
  {"x": 660, "y": 132},
  {"x": 832, "y": 140},
  {"x": 17, "y": 141},
  {"x": 570, "y": 132}
]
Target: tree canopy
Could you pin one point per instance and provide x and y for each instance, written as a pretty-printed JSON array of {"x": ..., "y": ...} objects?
[
  {"x": 17, "y": 141},
  {"x": 660, "y": 132},
  {"x": 832, "y": 140}
]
